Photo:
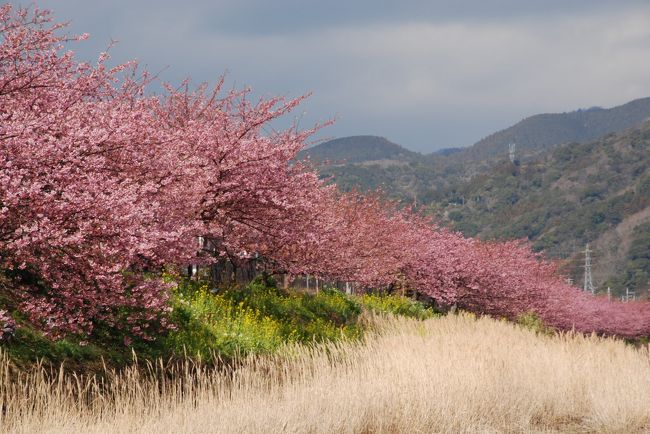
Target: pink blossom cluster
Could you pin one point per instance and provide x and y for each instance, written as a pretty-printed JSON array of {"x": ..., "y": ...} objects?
[
  {"x": 81, "y": 190},
  {"x": 373, "y": 243},
  {"x": 102, "y": 186}
]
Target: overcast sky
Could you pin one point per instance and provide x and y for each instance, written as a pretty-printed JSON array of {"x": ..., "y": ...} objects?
[{"x": 425, "y": 74}]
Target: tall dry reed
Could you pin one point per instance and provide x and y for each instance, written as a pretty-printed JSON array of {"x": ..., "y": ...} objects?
[{"x": 453, "y": 374}]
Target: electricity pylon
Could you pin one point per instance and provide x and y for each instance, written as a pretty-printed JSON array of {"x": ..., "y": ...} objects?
[{"x": 588, "y": 281}]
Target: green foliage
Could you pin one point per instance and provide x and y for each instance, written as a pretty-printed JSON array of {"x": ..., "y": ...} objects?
[
  {"x": 29, "y": 346},
  {"x": 592, "y": 193},
  {"x": 637, "y": 268},
  {"x": 257, "y": 319},
  {"x": 396, "y": 305},
  {"x": 455, "y": 216},
  {"x": 643, "y": 187},
  {"x": 559, "y": 199},
  {"x": 532, "y": 322},
  {"x": 208, "y": 323},
  {"x": 469, "y": 228}
]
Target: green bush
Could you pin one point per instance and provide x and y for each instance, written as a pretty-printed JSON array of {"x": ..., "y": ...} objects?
[
  {"x": 396, "y": 305},
  {"x": 209, "y": 324},
  {"x": 29, "y": 346},
  {"x": 531, "y": 321},
  {"x": 256, "y": 319}
]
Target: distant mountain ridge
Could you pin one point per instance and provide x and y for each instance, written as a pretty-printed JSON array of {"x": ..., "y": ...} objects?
[
  {"x": 358, "y": 149},
  {"x": 532, "y": 135},
  {"x": 543, "y": 131}
]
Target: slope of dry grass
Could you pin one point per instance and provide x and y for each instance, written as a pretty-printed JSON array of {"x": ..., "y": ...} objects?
[{"x": 453, "y": 374}]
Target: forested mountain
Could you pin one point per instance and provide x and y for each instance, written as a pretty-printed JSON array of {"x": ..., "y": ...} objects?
[
  {"x": 596, "y": 192},
  {"x": 358, "y": 149},
  {"x": 567, "y": 189},
  {"x": 539, "y": 132},
  {"x": 371, "y": 163}
]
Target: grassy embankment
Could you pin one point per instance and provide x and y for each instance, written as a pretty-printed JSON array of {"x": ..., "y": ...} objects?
[
  {"x": 257, "y": 319},
  {"x": 455, "y": 373}
]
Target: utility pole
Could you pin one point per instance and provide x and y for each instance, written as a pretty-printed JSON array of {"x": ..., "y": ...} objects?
[
  {"x": 588, "y": 280},
  {"x": 511, "y": 152}
]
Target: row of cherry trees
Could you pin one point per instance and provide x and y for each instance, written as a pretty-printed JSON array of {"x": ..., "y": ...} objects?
[
  {"x": 101, "y": 186},
  {"x": 376, "y": 244}
]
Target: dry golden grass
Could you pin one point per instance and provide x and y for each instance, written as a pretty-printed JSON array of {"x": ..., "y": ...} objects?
[{"x": 453, "y": 374}]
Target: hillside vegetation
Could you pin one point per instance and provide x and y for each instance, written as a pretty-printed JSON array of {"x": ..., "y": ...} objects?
[
  {"x": 449, "y": 374},
  {"x": 596, "y": 192}
]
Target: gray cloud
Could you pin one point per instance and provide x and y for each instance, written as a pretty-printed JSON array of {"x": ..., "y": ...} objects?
[{"x": 426, "y": 74}]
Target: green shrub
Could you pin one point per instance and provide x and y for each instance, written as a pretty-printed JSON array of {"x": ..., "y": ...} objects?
[
  {"x": 209, "y": 324},
  {"x": 531, "y": 321},
  {"x": 30, "y": 346},
  {"x": 256, "y": 319},
  {"x": 396, "y": 305}
]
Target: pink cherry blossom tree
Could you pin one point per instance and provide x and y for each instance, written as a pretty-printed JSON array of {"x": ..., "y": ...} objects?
[{"x": 102, "y": 186}]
